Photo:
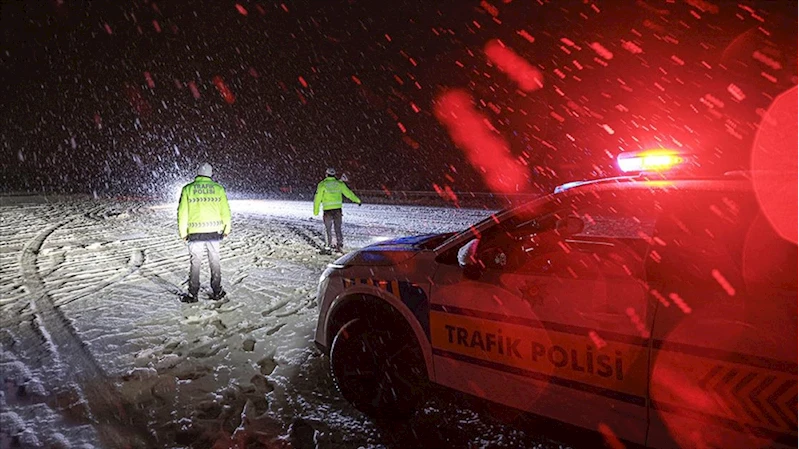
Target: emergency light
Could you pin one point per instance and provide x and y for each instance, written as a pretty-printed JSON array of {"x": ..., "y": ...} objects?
[
  {"x": 636, "y": 163},
  {"x": 649, "y": 161}
]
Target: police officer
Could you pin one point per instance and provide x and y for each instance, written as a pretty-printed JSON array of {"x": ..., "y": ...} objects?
[
  {"x": 328, "y": 195},
  {"x": 203, "y": 220}
]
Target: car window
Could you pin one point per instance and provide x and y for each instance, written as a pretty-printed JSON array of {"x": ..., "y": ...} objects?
[
  {"x": 616, "y": 227},
  {"x": 491, "y": 221},
  {"x": 619, "y": 214},
  {"x": 628, "y": 216},
  {"x": 494, "y": 224}
]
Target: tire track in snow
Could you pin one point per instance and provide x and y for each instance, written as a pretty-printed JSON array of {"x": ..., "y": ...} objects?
[
  {"x": 134, "y": 264},
  {"x": 306, "y": 233},
  {"x": 78, "y": 364}
]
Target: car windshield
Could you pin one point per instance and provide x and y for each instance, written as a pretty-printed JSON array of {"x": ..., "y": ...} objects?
[
  {"x": 495, "y": 218},
  {"x": 617, "y": 214}
]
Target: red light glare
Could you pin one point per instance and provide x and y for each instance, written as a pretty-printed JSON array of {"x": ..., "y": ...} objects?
[
  {"x": 517, "y": 68},
  {"x": 487, "y": 152},
  {"x": 694, "y": 395},
  {"x": 774, "y": 164},
  {"x": 227, "y": 95}
]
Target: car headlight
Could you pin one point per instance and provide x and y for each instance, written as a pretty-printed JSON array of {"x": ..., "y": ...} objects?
[
  {"x": 324, "y": 279},
  {"x": 327, "y": 272}
]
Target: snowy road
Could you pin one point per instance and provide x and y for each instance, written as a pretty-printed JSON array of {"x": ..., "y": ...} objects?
[{"x": 97, "y": 351}]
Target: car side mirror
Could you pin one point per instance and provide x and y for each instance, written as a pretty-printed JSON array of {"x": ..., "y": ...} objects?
[
  {"x": 467, "y": 259},
  {"x": 467, "y": 254}
]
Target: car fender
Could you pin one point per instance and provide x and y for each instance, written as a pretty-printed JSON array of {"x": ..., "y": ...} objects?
[{"x": 369, "y": 290}]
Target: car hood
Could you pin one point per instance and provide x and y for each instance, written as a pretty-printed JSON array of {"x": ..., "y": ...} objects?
[{"x": 391, "y": 252}]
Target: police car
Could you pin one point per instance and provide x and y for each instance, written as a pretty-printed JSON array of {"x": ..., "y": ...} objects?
[{"x": 661, "y": 311}]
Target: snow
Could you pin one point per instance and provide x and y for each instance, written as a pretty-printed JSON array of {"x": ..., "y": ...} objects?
[{"x": 97, "y": 351}]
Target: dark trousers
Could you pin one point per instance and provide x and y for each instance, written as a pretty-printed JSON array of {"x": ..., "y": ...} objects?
[
  {"x": 196, "y": 250},
  {"x": 332, "y": 218}
]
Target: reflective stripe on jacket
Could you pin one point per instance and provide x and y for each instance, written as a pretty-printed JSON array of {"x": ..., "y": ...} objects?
[
  {"x": 328, "y": 194},
  {"x": 203, "y": 208}
]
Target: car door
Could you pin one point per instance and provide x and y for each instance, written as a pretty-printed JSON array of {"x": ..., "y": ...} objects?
[
  {"x": 724, "y": 363},
  {"x": 556, "y": 322}
]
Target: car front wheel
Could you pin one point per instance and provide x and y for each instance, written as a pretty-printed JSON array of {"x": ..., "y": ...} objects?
[{"x": 379, "y": 370}]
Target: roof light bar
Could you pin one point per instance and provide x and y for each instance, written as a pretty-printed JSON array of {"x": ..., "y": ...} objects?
[{"x": 649, "y": 161}]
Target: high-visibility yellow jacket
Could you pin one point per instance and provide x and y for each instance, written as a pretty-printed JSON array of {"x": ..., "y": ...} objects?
[
  {"x": 328, "y": 194},
  {"x": 203, "y": 211}
]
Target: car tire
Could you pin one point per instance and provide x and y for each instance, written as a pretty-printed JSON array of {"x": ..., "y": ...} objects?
[{"x": 379, "y": 369}]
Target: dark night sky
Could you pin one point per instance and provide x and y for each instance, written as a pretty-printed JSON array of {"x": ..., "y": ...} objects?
[{"x": 97, "y": 96}]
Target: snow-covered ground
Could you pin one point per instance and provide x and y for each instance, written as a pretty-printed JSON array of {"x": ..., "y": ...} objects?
[{"x": 96, "y": 351}]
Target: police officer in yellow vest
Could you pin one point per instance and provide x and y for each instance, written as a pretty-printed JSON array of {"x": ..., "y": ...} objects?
[
  {"x": 328, "y": 195},
  {"x": 203, "y": 220}
]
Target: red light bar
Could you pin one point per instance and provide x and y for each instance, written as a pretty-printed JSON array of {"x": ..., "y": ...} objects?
[{"x": 651, "y": 161}]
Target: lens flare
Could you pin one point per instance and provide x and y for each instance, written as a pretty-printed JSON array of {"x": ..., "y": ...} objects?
[{"x": 774, "y": 164}]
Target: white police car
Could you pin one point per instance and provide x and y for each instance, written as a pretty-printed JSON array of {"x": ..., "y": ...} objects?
[{"x": 660, "y": 311}]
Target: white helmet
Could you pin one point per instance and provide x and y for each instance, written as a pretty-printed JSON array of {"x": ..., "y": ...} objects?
[
  {"x": 205, "y": 170},
  {"x": 331, "y": 171}
]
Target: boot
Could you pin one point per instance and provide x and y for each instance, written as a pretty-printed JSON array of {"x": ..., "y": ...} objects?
[
  {"x": 218, "y": 296},
  {"x": 188, "y": 298}
]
